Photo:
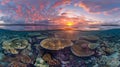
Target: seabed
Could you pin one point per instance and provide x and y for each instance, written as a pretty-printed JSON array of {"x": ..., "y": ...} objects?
[{"x": 56, "y": 48}]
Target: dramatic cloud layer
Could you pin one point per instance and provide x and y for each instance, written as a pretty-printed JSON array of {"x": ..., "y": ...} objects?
[
  {"x": 59, "y": 12},
  {"x": 100, "y": 6}
]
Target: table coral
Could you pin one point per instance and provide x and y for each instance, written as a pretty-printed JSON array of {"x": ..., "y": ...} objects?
[
  {"x": 13, "y": 45},
  {"x": 81, "y": 49},
  {"x": 55, "y": 43}
]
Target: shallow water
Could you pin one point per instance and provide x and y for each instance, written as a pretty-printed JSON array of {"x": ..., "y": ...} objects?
[{"x": 23, "y": 48}]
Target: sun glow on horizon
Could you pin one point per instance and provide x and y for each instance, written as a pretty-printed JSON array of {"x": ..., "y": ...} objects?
[{"x": 70, "y": 23}]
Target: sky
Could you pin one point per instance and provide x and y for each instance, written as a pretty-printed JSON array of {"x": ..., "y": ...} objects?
[{"x": 59, "y": 12}]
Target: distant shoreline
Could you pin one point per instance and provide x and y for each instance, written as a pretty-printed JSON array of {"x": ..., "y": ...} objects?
[{"x": 54, "y": 30}]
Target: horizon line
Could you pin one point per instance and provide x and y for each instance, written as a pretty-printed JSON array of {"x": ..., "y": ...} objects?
[
  {"x": 29, "y": 25},
  {"x": 50, "y": 25}
]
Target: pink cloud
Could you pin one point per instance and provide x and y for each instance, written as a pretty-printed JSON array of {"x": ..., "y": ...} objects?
[
  {"x": 19, "y": 10},
  {"x": 5, "y": 2},
  {"x": 115, "y": 10},
  {"x": 99, "y": 7},
  {"x": 33, "y": 10},
  {"x": 61, "y": 2}
]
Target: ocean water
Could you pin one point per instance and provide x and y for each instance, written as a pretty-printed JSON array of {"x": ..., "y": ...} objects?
[{"x": 58, "y": 48}]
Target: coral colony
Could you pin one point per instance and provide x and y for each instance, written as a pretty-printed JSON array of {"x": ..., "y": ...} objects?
[{"x": 59, "y": 33}]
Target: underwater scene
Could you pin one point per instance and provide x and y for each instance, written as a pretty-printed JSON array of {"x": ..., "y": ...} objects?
[{"x": 60, "y": 48}]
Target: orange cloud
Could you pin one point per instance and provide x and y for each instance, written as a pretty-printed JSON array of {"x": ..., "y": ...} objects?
[
  {"x": 87, "y": 8},
  {"x": 84, "y": 6},
  {"x": 62, "y": 20}
]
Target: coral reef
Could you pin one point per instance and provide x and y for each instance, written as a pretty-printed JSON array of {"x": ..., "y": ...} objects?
[
  {"x": 44, "y": 49},
  {"x": 13, "y": 45},
  {"x": 106, "y": 48},
  {"x": 93, "y": 45},
  {"x": 110, "y": 61},
  {"x": 47, "y": 57},
  {"x": 16, "y": 64},
  {"x": 40, "y": 62},
  {"x": 81, "y": 49},
  {"x": 51, "y": 61},
  {"x": 55, "y": 43},
  {"x": 24, "y": 59},
  {"x": 91, "y": 38}
]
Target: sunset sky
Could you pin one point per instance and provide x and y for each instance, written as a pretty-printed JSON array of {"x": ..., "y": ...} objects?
[{"x": 60, "y": 12}]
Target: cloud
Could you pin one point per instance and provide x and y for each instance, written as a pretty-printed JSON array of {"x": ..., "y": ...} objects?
[
  {"x": 10, "y": 20},
  {"x": 4, "y": 2},
  {"x": 77, "y": 21},
  {"x": 31, "y": 10},
  {"x": 61, "y": 2},
  {"x": 99, "y": 6},
  {"x": 57, "y": 11},
  {"x": 2, "y": 22},
  {"x": 36, "y": 10},
  {"x": 68, "y": 13},
  {"x": 114, "y": 10}
]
